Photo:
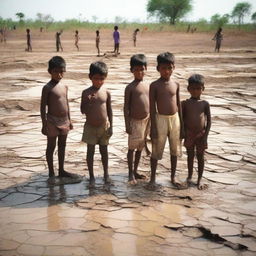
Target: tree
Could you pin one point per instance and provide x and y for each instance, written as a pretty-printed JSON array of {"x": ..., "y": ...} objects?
[
  {"x": 240, "y": 10},
  {"x": 171, "y": 10},
  {"x": 45, "y": 19},
  {"x": 253, "y": 17},
  {"x": 219, "y": 20},
  {"x": 20, "y": 15}
]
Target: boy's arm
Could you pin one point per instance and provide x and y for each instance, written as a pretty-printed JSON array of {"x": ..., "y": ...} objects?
[
  {"x": 127, "y": 119},
  {"x": 152, "y": 109},
  {"x": 208, "y": 119},
  {"x": 43, "y": 104},
  {"x": 83, "y": 103},
  {"x": 109, "y": 113},
  {"x": 180, "y": 112},
  {"x": 71, "y": 125}
]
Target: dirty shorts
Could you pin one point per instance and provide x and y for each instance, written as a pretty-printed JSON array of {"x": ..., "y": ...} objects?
[
  {"x": 167, "y": 126},
  {"x": 140, "y": 130},
  {"x": 195, "y": 140},
  {"x": 57, "y": 125},
  {"x": 96, "y": 135}
]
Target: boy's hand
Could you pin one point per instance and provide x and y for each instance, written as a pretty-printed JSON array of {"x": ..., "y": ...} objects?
[
  {"x": 128, "y": 129},
  {"x": 110, "y": 131},
  {"x": 71, "y": 126},
  {"x": 44, "y": 130}
]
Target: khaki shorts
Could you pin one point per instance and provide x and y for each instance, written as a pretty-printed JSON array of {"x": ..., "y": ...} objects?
[
  {"x": 140, "y": 130},
  {"x": 167, "y": 126},
  {"x": 96, "y": 135}
]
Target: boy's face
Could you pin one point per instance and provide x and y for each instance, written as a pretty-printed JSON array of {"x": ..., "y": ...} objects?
[
  {"x": 165, "y": 70},
  {"x": 138, "y": 72},
  {"x": 97, "y": 80},
  {"x": 195, "y": 90},
  {"x": 57, "y": 73}
]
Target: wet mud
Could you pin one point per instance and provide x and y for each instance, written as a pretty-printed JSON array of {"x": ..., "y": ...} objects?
[{"x": 65, "y": 217}]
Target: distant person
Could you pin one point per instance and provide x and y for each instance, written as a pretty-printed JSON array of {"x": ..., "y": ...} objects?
[
  {"x": 96, "y": 105},
  {"x": 136, "y": 115},
  {"x": 98, "y": 42},
  {"x": 165, "y": 116},
  {"x": 58, "y": 41},
  {"x": 76, "y": 39},
  {"x": 188, "y": 28},
  {"x": 41, "y": 29},
  {"x": 56, "y": 121},
  {"x": 116, "y": 37},
  {"x": 218, "y": 37},
  {"x": 29, "y": 46},
  {"x": 197, "y": 122},
  {"x": 135, "y": 36}
]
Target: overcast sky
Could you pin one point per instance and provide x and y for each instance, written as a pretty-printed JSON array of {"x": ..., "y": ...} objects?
[{"x": 107, "y": 10}]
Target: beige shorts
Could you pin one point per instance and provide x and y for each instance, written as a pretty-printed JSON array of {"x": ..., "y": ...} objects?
[
  {"x": 140, "y": 130},
  {"x": 96, "y": 135},
  {"x": 167, "y": 126}
]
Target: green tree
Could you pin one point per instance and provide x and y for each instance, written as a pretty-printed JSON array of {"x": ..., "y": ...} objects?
[
  {"x": 45, "y": 19},
  {"x": 219, "y": 20},
  {"x": 253, "y": 17},
  {"x": 240, "y": 10},
  {"x": 171, "y": 10},
  {"x": 20, "y": 15}
]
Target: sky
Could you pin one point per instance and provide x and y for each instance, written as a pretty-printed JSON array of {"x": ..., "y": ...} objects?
[{"x": 108, "y": 10}]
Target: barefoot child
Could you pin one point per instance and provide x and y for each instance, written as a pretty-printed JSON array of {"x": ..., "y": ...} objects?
[
  {"x": 56, "y": 120},
  {"x": 116, "y": 37},
  {"x": 165, "y": 113},
  {"x": 29, "y": 47},
  {"x": 197, "y": 123},
  {"x": 96, "y": 105},
  {"x": 98, "y": 42},
  {"x": 76, "y": 40},
  {"x": 218, "y": 37},
  {"x": 136, "y": 114}
]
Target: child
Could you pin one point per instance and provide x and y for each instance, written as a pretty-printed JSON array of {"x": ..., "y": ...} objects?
[
  {"x": 197, "y": 122},
  {"x": 58, "y": 42},
  {"x": 98, "y": 41},
  {"x": 76, "y": 40},
  {"x": 136, "y": 114},
  {"x": 165, "y": 115},
  {"x": 116, "y": 36},
  {"x": 56, "y": 121},
  {"x": 135, "y": 36},
  {"x": 218, "y": 37},
  {"x": 29, "y": 47},
  {"x": 96, "y": 105}
]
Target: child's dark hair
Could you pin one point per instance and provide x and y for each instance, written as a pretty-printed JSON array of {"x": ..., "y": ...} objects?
[
  {"x": 56, "y": 62},
  {"x": 28, "y": 30},
  {"x": 138, "y": 60},
  {"x": 196, "y": 79},
  {"x": 97, "y": 32},
  {"x": 165, "y": 58},
  {"x": 76, "y": 31},
  {"x": 115, "y": 27},
  {"x": 98, "y": 67}
]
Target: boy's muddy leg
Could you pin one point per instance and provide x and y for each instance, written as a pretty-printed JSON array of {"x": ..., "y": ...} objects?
[
  {"x": 89, "y": 160},
  {"x": 104, "y": 159},
  {"x": 136, "y": 164},
  {"x": 51, "y": 144}
]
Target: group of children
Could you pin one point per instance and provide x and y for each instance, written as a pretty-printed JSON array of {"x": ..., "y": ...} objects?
[{"x": 153, "y": 109}]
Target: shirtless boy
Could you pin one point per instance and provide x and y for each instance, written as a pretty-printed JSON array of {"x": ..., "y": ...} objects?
[
  {"x": 98, "y": 42},
  {"x": 29, "y": 47},
  {"x": 96, "y": 105},
  {"x": 76, "y": 40},
  {"x": 165, "y": 113},
  {"x": 136, "y": 114},
  {"x": 197, "y": 123},
  {"x": 56, "y": 120}
]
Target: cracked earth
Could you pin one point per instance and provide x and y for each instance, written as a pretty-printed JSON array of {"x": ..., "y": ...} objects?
[{"x": 62, "y": 217}]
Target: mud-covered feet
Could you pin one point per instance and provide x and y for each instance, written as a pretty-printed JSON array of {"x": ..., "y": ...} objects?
[
  {"x": 151, "y": 186},
  {"x": 179, "y": 185},
  {"x": 51, "y": 174},
  {"x": 202, "y": 186},
  {"x": 138, "y": 176},
  {"x": 65, "y": 174},
  {"x": 92, "y": 183},
  {"x": 132, "y": 181}
]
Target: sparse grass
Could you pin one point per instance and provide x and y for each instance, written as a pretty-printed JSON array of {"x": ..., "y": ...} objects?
[{"x": 74, "y": 24}]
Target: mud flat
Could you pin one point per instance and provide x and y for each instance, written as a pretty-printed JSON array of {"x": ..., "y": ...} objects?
[{"x": 41, "y": 218}]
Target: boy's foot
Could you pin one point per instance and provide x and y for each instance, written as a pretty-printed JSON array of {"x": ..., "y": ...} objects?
[
  {"x": 107, "y": 181},
  {"x": 139, "y": 176},
  {"x": 132, "y": 182},
  {"x": 91, "y": 183},
  {"x": 202, "y": 186},
  {"x": 190, "y": 183},
  {"x": 178, "y": 185},
  {"x": 65, "y": 174},
  {"x": 151, "y": 186}
]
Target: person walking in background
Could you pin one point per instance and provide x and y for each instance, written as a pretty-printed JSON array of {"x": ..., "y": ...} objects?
[
  {"x": 218, "y": 37},
  {"x": 116, "y": 37}
]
